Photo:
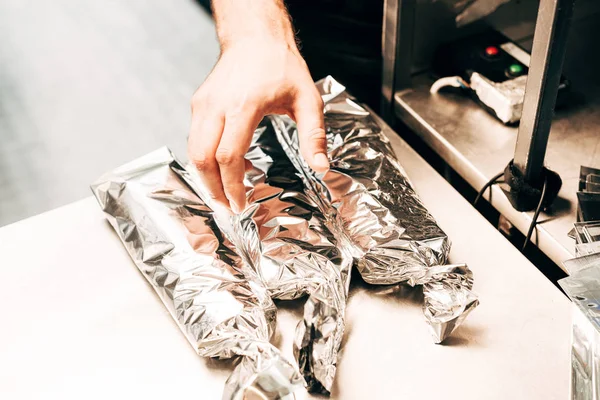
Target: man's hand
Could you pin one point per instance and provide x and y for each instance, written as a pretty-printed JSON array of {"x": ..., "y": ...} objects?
[{"x": 260, "y": 72}]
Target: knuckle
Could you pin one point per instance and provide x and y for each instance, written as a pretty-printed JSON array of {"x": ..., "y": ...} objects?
[
  {"x": 215, "y": 196},
  {"x": 238, "y": 112},
  {"x": 199, "y": 100},
  {"x": 201, "y": 161},
  {"x": 233, "y": 114},
  {"x": 253, "y": 98},
  {"x": 316, "y": 135},
  {"x": 226, "y": 157}
]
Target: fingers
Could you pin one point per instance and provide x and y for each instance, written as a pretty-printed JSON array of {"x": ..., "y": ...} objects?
[
  {"x": 230, "y": 153},
  {"x": 205, "y": 135},
  {"x": 308, "y": 112}
]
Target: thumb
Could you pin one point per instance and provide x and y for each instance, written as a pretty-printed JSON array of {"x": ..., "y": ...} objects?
[{"x": 308, "y": 113}]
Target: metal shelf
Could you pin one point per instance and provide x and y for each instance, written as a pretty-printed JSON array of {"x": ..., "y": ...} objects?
[{"x": 477, "y": 147}]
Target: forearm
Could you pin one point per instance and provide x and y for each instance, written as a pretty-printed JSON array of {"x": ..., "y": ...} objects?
[{"x": 263, "y": 20}]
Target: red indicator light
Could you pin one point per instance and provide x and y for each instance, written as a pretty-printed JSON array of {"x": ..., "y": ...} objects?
[{"x": 491, "y": 51}]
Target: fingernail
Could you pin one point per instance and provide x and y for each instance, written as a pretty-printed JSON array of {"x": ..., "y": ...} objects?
[{"x": 321, "y": 162}]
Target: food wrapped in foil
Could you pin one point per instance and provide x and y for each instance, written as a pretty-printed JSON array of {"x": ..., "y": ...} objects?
[
  {"x": 299, "y": 235},
  {"x": 218, "y": 301},
  {"x": 289, "y": 242},
  {"x": 388, "y": 231},
  {"x": 300, "y": 254}
]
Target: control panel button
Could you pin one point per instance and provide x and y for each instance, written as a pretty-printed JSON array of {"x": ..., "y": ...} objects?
[
  {"x": 491, "y": 51},
  {"x": 515, "y": 69}
]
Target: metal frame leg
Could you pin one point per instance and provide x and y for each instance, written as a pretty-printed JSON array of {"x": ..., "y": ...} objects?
[
  {"x": 547, "y": 56},
  {"x": 398, "y": 35}
]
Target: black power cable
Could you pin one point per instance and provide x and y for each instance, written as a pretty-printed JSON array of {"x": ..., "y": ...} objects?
[
  {"x": 494, "y": 180},
  {"x": 489, "y": 183},
  {"x": 535, "y": 215}
]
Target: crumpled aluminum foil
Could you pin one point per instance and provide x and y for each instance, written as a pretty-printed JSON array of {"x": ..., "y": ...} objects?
[
  {"x": 300, "y": 254},
  {"x": 389, "y": 232},
  {"x": 217, "y": 300},
  {"x": 299, "y": 235},
  {"x": 289, "y": 241},
  {"x": 448, "y": 298}
]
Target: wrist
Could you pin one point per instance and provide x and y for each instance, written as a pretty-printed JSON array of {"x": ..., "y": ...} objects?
[
  {"x": 256, "y": 22},
  {"x": 260, "y": 44}
]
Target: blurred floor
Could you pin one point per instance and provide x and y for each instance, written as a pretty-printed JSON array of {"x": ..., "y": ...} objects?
[{"x": 87, "y": 85}]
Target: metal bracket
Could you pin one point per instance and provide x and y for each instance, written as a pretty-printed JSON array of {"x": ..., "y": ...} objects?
[
  {"x": 398, "y": 35},
  {"x": 547, "y": 56}
]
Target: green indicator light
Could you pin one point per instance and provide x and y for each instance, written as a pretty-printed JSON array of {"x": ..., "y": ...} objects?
[{"x": 515, "y": 69}]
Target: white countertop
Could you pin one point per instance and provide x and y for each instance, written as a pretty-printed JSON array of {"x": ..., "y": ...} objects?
[{"x": 80, "y": 322}]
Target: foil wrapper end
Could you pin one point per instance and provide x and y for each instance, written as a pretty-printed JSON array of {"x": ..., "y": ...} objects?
[
  {"x": 448, "y": 299},
  {"x": 319, "y": 337},
  {"x": 263, "y": 375}
]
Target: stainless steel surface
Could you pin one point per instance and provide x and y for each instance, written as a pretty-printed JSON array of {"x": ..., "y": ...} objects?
[
  {"x": 577, "y": 264},
  {"x": 87, "y": 85},
  {"x": 474, "y": 144},
  {"x": 398, "y": 38},
  {"x": 477, "y": 146},
  {"x": 97, "y": 347},
  {"x": 545, "y": 68}
]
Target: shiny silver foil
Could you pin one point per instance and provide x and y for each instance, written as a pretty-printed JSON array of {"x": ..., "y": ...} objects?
[
  {"x": 300, "y": 254},
  {"x": 583, "y": 288},
  {"x": 284, "y": 234},
  {"x": 298, "y": 236},
  {"x": 382, "y": 222},
  {"x": 448, "y": 298},
  {"x": 217, "y": 299}
]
